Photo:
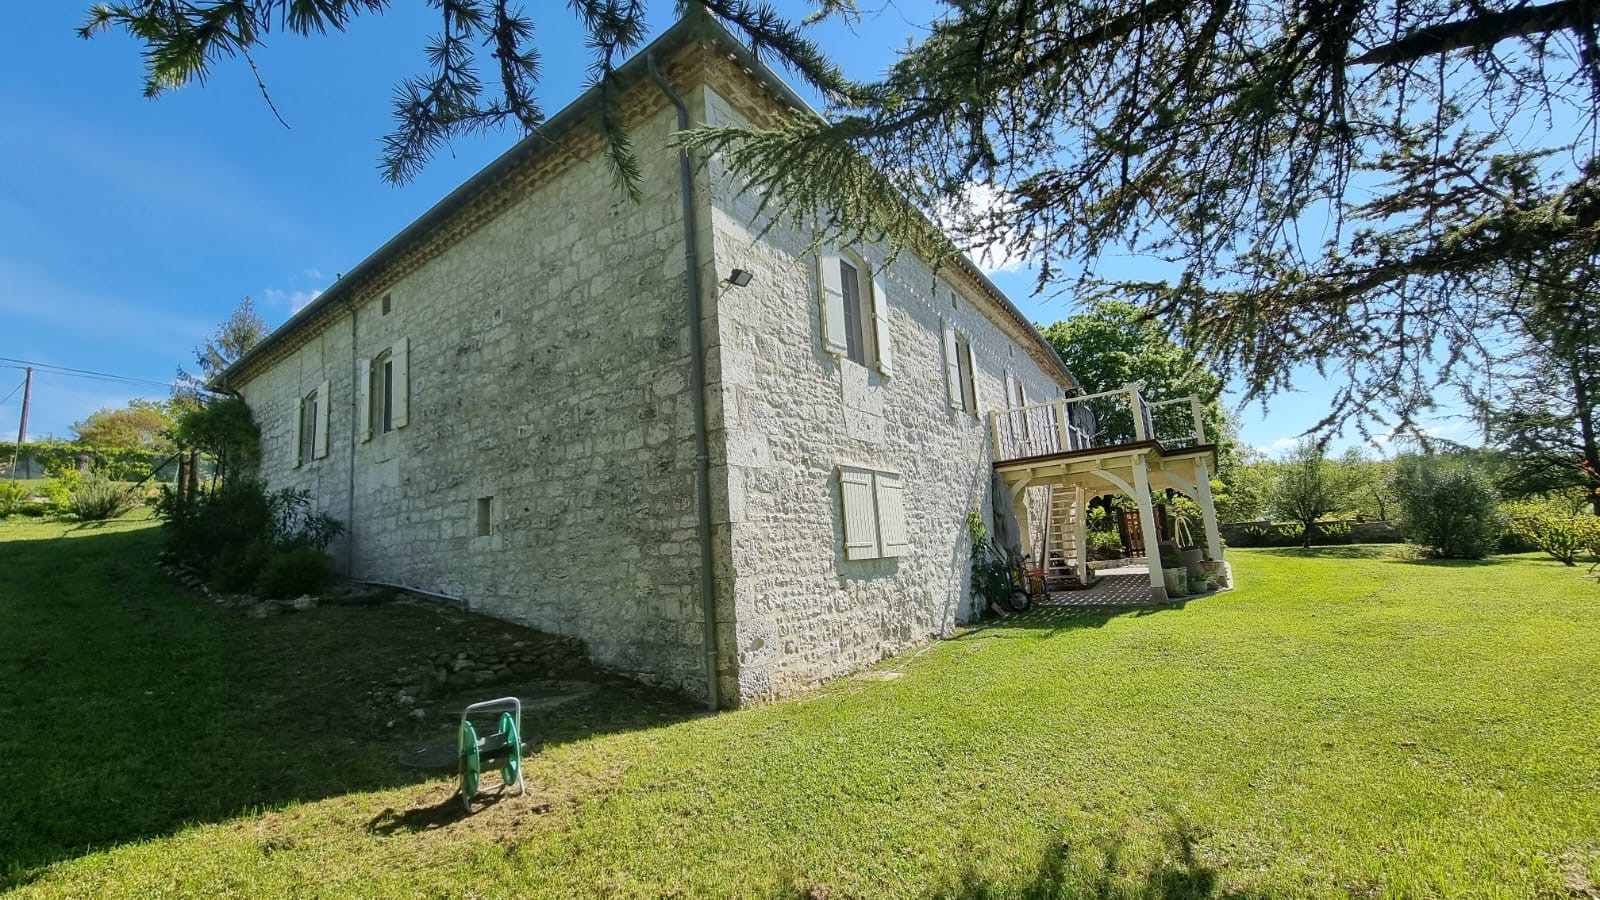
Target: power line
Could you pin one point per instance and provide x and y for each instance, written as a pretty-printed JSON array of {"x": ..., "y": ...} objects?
[
  {"x": 48, "y": 368},
  {"x": 14, "y": 391}
]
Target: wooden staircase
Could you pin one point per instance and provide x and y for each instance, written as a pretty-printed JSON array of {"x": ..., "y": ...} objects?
[{"x": 1062, "y": 547}]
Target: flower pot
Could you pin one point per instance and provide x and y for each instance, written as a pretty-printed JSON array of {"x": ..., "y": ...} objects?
[
  {"x": 1177, "y": 580},
  {"x": 1193, "y": 559},
  {"x": 1198, "y": 585}
]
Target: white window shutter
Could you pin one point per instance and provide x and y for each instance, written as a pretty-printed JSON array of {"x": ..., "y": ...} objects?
[
  {"x": 1011, "y": 390},
  {"x": 319, "y": 442},
  {"x": 860, "y": 521},
  {"x": 880, "y": 326},
  {"x": 831, "y": 289},
  {"x": 399, "y": 354},
  {"x": 892, "y": 532},
  {"x": 299, "y": 416},
  {"x": 364, "y": 399},
  {"x": 972, "y": 371},
  {"x": 952, "y": 368}
]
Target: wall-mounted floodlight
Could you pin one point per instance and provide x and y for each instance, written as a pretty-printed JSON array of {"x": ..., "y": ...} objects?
[{"x": 740, "y": 278}]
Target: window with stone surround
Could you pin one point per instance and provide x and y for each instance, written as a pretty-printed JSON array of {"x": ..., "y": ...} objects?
[
  {"x": 383, "y": 384},
  {"x": 960, "y": 372},
  {"x": 311, "y": 426},
  {"x": 855, "y": 312}
]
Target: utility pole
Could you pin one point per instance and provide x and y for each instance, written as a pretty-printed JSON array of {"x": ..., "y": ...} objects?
[{"x": 22, "y": 430}]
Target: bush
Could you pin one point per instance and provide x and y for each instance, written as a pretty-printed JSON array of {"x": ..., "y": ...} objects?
[
  {"x": 1449, "y": 510},
  {"x": 13, "y": 497},
  {"x": 58, "y": 490},
  {"x": 1332, "y": 533},
  {"x": 238, "y": 532},
  {"x": 1545, "y": 528},
  {"x": 1104, "y": 545},
  {"x": 292, "y": 572},
  {"x": 98, "y": 499}
]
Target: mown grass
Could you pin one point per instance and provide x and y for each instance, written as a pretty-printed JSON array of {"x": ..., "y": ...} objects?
[{"x": 1346, "y": 722}]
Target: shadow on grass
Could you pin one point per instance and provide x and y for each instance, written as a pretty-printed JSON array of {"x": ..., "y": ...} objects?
[
  {"x": 1393, "y": 553},
  {"x": 132, "y": 709},
  {"x": 1101, "y": 871},
  {"x": 1067, "y": 617}
]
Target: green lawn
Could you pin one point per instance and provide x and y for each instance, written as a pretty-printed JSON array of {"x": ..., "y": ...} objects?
[{"x": 1347, "y": 722}]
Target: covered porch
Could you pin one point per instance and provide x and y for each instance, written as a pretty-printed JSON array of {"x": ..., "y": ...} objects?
[{"x": 1054, "y": 457}]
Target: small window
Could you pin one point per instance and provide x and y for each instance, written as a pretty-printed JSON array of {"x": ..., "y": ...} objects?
[
  {"x": 385, "y": 305},
  {"x": 485, "y": 519},
  {"x": 309, "y": 420},
  {"x": 854, "y": 333}
]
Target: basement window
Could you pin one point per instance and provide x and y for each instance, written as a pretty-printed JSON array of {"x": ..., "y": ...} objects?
[{"x": 485, "y": 520}]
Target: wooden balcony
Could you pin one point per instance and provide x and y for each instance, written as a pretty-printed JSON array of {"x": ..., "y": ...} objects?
[{"x": 1112, "y": 442}]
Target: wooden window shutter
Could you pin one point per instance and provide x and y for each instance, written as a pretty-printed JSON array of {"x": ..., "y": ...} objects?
[
  {"x": 860, "y": 520},
  {"x": 892, "y": 533},
  {"x": 952, "y": 368},
  {"x": 880, "y": 326},
  {"x": 298, "y": 416},
  {"x": 972, "y": 375},
  {"x": 835, "y": 339},
  {"x": 400, "y": 354},
  {"x": 319, "y": 442},
  {"x": 364, "y": 399}
]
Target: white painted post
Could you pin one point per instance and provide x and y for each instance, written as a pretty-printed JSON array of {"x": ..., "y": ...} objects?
[
  {"x": 994, "y": 433},
  {"x": 1147, "y": 523},
  {"x": 1208, "y": 509},
  {"x": 1136, "y": 406},
  {"x": 1080, "y": 499},
  {"x": 1199, "y": 420},
  {"x": 1061, "y": 426}
]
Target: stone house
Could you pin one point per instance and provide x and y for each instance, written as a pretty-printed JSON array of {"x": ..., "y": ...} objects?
[{"x": 728, "y": 465}]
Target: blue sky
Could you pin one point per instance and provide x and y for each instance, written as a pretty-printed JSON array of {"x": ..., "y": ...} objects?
[{"x": 130, "y": 227}]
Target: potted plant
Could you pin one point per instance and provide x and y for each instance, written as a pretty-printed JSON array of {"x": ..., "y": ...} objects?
[
  {"x": 1191, "y": 556},
  {"x": 1173, "y": 571}
]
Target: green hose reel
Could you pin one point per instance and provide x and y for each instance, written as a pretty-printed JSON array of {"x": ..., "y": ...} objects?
[{"x": 502, "y": 748}]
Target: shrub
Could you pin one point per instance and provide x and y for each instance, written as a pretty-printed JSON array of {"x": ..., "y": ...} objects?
[
  {"x": 1104, "y": 545},
  {"x": 237, "y": 533},
  {"x": 1333, "y": 532},
  {"x": 59, "y": 488},
  {"x": 1449, "y": 510},
  {"x": 13, "y": 497},
  {"x": 1289, "y": 535},
  {"x": 98, "y": 499},
  {"x": 295, "y": 571},
  {"x": 1563, "y": 537},
  {"x": 236, "y": 567}
]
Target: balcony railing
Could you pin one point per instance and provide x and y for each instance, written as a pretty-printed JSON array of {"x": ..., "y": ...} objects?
[{"x": 1095, "y": 421}]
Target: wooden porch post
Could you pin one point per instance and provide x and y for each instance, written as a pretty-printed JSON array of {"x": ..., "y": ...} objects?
[
  {"x": 1198, "y": 411},
  {"x": 1136, "y": 406},
  {"x": 1208, "y": 509},
  {"x": 1147, "y": 521},
  {"x": 1062, "y": 435},
  {"x": 1080, "y": 498}
]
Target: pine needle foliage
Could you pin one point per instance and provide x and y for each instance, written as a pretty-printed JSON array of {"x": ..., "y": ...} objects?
[
  {"x": 1306, "y": 172},
  {"x": 185, "y": 39}
]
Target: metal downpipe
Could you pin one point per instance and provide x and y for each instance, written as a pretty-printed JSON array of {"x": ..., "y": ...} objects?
[{"x": 697, "y": 387}]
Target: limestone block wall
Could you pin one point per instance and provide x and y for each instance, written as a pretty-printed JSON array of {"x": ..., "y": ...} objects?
[
  {"x": 548, "y": 371},
  {"x": 794, "y": 413}
]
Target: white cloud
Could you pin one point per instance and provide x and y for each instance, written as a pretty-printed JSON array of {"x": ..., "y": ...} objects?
[
  {"x": 1285, "y": 443},
  {"x": 294, "y": 300},
  {"x": 981, "y": 205}
]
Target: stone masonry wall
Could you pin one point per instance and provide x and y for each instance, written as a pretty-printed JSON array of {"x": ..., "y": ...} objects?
[
  {"x": 793, "y": 414},
  {"x": 548, "y": 354}
]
